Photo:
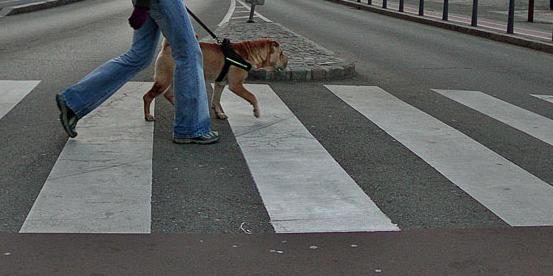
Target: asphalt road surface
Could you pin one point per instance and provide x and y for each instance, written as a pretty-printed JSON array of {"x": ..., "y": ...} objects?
[{"x": 418, "y": 75}]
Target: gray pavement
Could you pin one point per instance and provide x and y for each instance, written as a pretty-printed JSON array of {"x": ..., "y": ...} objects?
[
  {"x": 308, "y": 61},
  {"x": 515, "y": 251},
  {"x": 210, "y": 190}
]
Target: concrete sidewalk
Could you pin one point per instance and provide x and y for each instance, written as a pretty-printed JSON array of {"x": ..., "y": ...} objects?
[
  {"x": 13, "y": 7},
  {"x": 537, "y": 35},
  {"x": 494, "y": 15}
]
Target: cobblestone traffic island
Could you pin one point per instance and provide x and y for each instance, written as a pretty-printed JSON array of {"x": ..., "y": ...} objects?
[{"x": 307, "y": 61}]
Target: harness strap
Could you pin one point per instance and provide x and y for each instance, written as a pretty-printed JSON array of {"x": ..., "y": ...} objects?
[{"x": 231, "y": 58}]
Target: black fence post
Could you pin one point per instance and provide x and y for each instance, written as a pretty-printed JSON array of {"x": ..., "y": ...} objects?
[
  {"x": 401, "y": 4},
  {"x": 369, "y": 2},
  {"x": 531, "y": 11},
  {"x": 421, "y": 7},
  {"x": 511, "y": 19},
  {"x": 384, "y": 4},
  {"x": 252, "y": 12},
  {"x": 446, "y": 10},
  {"x": 474, "y": 21}
]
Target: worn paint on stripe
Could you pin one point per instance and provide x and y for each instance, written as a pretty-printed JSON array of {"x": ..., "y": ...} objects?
[
  {"x": 521, "y": 119},
  {"x": 304, "y": 189},
  {"x": 101, "y": 182},
  {"x": 513, "y": 194},
  {"x": 548, "y": 98},
  {"x": 12, "y": 92}
]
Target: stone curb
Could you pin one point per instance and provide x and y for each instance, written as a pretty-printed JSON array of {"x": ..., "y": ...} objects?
[
  {"x": 31, "y": 7},
  {"x": 332, "y": 73},
  {"x": 305, "y": 74},
  {"x": 497, "y": 36}
]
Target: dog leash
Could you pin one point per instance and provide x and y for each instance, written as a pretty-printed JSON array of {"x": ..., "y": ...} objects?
[{"x": 219, "y": 41}]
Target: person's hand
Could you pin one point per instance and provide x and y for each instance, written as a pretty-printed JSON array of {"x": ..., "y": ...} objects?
[{"x": 138, "y": 17}]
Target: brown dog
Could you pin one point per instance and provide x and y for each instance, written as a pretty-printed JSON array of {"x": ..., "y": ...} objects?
[{"x": 262, "y": 53}]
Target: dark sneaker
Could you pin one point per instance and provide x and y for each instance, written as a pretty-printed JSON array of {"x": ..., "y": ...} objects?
[
  {"x": 67, "y": 117},
  {"x": 208, "y": 138}
]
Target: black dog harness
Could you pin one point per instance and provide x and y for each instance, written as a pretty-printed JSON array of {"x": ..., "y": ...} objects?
[{"x": 231, "y": 58}]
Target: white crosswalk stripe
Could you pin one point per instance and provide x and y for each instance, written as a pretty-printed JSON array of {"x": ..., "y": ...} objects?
[
  {"x": 304, "y": 189},
  {"x": 102, "y": 180},
  {"x": 12, "y": 92},
  {"x": 521, "y": 119},
  {"x": 548, "y": 98},
  {"x": 516, "y": 196}
]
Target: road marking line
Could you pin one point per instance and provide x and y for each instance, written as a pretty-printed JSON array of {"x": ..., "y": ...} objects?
[
  {"x": 304, "y": 189},
  {"x": 521, "y": 119},
  {"x": 243, "y": 17},
  {"x": 256, "y": 13},
  {"x": 12, "y": 92},
  {"x": 548, "y": 98},
  {"x": 102, "y": 180},
  {"x": 513, "y": 194},
  {"x": 230, "y": 11}
]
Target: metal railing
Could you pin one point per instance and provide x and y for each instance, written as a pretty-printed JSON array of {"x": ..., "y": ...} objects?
[{"x": 474, "y": 17}]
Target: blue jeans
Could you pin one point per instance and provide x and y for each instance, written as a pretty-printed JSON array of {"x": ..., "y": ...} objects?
[{"x": 192, "y": 117}]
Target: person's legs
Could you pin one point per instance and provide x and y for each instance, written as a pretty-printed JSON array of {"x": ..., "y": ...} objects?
[
  {"x": 192, "y": 117},
  {"x": 104, "y": 81}
]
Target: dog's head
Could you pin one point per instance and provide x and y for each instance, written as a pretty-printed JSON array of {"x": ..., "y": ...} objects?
[
  {"x": 277, "y": 59},
  {"x": 263, "y": 53}
]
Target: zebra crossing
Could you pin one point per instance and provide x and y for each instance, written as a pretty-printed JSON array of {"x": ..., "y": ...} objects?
[
  {"x": 102, "y": 181},
  {"x": 513, "y": 194}
]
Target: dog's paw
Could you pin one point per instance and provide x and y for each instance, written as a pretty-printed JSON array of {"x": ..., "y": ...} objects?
[
  {"x": 222, "y": 116},
  {"x": 150, "y": 118}
]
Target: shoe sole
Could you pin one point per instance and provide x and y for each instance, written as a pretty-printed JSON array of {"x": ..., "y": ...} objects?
[
  {"x": 193, "y": 141},
  {"x": 63, "y": 111}
]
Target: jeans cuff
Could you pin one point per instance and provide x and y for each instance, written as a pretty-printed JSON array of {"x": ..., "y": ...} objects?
[{"x": 192, "y": 134}]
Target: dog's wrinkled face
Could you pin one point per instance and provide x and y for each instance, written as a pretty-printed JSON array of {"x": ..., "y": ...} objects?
[{"x": 277, "y": 59}]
